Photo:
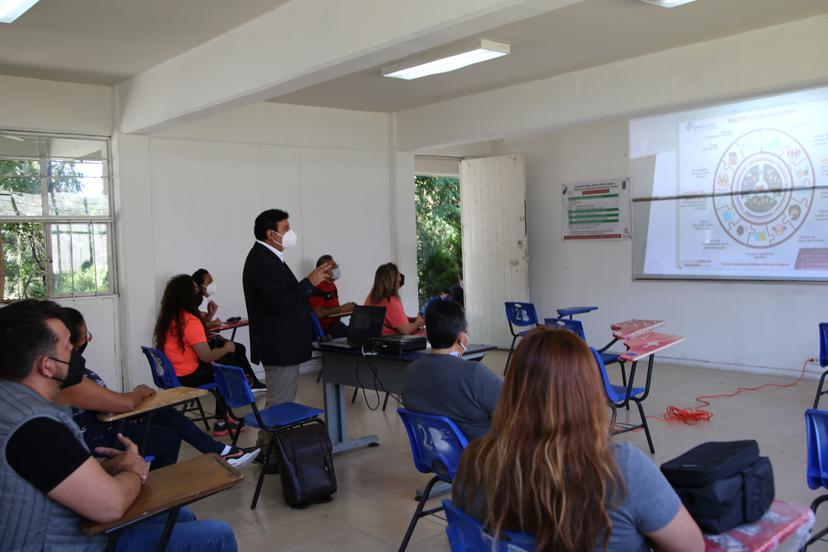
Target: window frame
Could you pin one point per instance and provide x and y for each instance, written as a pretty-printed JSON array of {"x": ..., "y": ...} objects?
[{"x": 47, "y": 220}]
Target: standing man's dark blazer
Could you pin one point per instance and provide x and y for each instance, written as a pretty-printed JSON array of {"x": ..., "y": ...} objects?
[{"x": 281, "y": 331}]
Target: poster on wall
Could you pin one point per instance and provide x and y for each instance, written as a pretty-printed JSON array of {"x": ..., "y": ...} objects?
[{"x": 596, "y": 210}]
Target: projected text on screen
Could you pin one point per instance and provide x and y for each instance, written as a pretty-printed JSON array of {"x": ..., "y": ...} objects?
[{"x": 738, "y": 191}]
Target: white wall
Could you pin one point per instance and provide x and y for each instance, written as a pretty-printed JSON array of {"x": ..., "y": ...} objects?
[
  {"x": 573, "y": 128},
  {"x": 191, "y": 195},
  {"x": 750, "y": 326},
  {"x": 49, "y": 106}
]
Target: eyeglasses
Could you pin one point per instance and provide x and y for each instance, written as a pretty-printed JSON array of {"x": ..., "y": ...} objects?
[{"x": 88, "y": 336}]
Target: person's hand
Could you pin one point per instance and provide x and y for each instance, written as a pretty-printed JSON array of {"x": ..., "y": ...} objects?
[
  {"x": 420, "y": 321},
  {"x": 144, "y": 391},
  {"x": 320, "y": 274},
  {"x": 119, "y": 461},
  {"x": 347, "y": 307},
  {"x": 229, "y": 347},
  {"x": 212, "y": 307}
]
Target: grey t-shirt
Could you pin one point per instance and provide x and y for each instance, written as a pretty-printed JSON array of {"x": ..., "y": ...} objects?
[
  {"x": 464, "y": 391},
  {"x": 650, "y": 502},
  {"x": 649, "y": 505}
]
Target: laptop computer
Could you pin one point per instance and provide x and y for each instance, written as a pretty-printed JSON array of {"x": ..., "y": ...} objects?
[{"x": 366, "y": 322}]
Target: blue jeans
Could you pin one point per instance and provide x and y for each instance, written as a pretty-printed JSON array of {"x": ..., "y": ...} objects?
[{"x": 188, "y": 535}]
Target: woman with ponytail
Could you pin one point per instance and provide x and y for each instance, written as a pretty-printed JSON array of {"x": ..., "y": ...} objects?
[{"x": 548, "y": 466}]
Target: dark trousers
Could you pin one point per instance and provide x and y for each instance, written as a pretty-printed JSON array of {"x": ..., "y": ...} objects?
[
  {"x": 337, "y": 329},
  {"x": 168, "y": 428},
  {"x": 202, "y": 376},
  {"x": 236, "y": 358}
]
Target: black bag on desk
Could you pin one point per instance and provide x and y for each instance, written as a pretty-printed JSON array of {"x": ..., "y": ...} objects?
[
  {"x": 304, "y": 454},
  {"x": 722, "y": 484}
]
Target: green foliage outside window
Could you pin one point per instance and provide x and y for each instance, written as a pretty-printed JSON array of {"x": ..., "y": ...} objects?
[
  {"x": 23, "y": 256},
  {"x": 439, "y": 250}
]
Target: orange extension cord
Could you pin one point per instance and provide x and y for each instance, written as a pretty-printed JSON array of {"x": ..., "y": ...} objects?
[{"x": 698, "y": 414}]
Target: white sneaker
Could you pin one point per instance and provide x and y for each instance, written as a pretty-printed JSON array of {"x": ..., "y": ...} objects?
[{"x": 240, "y": 457}]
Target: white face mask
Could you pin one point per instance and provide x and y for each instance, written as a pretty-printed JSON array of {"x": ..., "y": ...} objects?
[
  {"x": 465, "y": 347},
  {"x": 335, "y": 274},
  {"x": 289, "y": 239},
  {"x": 211, "y": 289}
]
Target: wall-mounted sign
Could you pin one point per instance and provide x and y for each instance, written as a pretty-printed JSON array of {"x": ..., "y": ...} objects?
[{"x": 596, "y": 210}]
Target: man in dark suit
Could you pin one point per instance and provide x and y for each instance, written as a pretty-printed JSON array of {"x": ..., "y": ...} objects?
[{"x": 281, "y": 331}]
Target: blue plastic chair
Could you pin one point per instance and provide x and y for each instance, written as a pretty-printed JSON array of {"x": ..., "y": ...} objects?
[
  {"x": 816, "y": 425},
  {"x": 436, "y": 446},
  {"x": 823, "y": 360},
  {"x": 519, "y": 315},
  {"x": 621, "y": 395},
  {"x": 164, "y": 377},
  {"x": 576, "y": 327},
  {"x": 234, "y": 388},
  {"x": 318, "y": 332},
  {"x": 318, "y": 336},
  {"x": 466, "y": 534}
]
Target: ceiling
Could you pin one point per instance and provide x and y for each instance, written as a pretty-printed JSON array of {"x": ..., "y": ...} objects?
[
  {"x": 586, "y": 34},
  {"x": 108, "y": 41}
]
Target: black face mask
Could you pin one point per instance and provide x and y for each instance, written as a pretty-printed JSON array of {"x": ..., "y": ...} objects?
[
  {"x": 402, "y": 279},
  {"x": 197, "y": 299},
  {"x": 75, "y": 373},
  {"x": 82, "y": 348}
]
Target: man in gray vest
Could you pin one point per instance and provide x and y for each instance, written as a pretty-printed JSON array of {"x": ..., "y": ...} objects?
[{"x": 48, "y": 478}]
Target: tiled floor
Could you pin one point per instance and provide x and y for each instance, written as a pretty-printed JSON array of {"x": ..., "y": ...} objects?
[{"x": 376, "y": 485}]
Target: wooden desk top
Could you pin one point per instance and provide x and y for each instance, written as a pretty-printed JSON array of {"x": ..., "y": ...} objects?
[
  {"x": 172, "y": 486},
  {"x": 162, "y": 399},
  {"x": 225, "y": 326}
]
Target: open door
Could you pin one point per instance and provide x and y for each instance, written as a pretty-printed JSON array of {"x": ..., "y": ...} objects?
[{"x": 495, "y": 249}]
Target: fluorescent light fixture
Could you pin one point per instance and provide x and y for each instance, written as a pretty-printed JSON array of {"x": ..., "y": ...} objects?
[
  {"x": 12, "y": 9},
  {"x": 447, "y": 60},
  {"x": 668, "y": 3}
]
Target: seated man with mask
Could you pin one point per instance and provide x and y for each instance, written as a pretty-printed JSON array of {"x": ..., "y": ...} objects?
[
  {"x": 324, "y": 302},
  {"x": 444, "y": 384},
  {"x": 48, "y": 479}
]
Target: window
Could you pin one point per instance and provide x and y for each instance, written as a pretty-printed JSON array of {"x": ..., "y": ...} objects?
[{"x": 56, "y": 224}]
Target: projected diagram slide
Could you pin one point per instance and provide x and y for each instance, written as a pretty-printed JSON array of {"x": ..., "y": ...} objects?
[{"x": 753, "y": 207}]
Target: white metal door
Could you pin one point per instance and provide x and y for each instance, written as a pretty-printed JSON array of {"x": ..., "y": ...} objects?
[{"x": 495, "y": 250}]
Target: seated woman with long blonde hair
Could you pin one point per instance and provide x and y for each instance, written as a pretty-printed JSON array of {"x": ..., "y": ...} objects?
[{"x": 548, "y": 467}]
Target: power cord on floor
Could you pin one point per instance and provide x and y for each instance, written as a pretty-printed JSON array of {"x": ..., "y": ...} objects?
[{"x": 699, "y": 414}]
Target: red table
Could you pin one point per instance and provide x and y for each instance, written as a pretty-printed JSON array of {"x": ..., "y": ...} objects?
[
  {"x": 231, "y": 326},
  {"x": 785, "y": 524},
  {"x": 647, "y": 344},
  {"x": 634, "y": 327}
]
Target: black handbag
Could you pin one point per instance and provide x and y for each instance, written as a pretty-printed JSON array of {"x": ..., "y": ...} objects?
[
  {"x": 305, "y": 457},
  {"x": 722, "y": 484}
]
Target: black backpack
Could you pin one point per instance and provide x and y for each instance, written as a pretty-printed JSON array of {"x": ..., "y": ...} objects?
[
  {"x": 722, "y": 484},
  {"x": 304, "y": 454}
]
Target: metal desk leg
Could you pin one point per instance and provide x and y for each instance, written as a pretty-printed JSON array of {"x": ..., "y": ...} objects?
[
  {"x": 112, "y": 541},
  {"x": 233, "y": 334},
  {"x": 143, "y": 448},
  {"x": 337, "y": 426},
  {"x": 168, "y": 528}
]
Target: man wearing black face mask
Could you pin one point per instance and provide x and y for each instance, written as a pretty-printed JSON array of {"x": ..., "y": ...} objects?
[{"x": 48, "y": 479}]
